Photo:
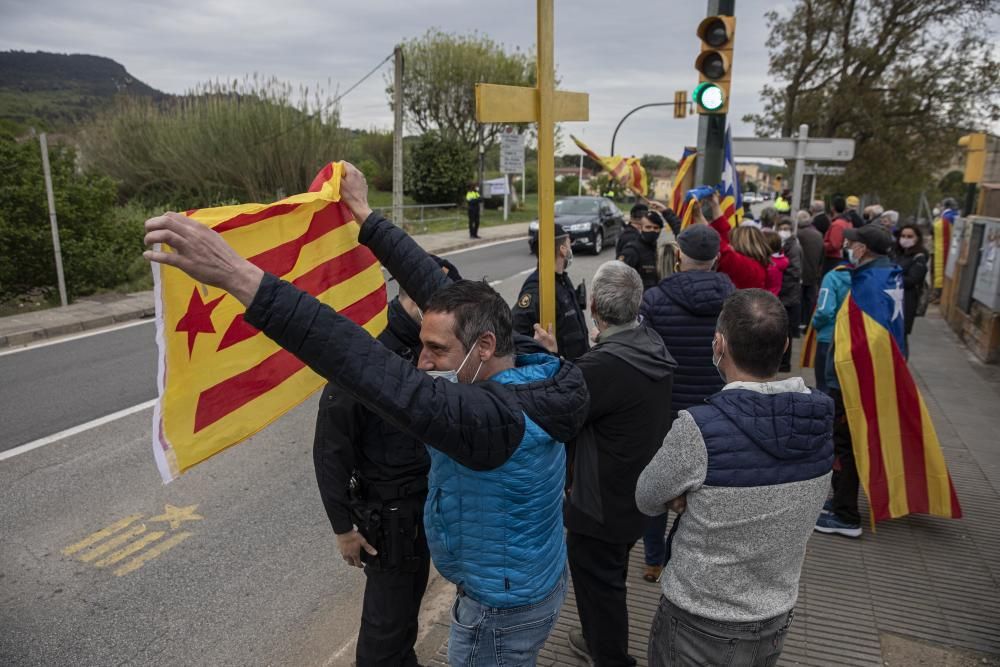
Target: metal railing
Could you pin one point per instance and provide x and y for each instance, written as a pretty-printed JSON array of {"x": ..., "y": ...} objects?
[{"x": 421, "y": 221}]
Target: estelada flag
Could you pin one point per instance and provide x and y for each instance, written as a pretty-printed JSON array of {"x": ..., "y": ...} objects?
[
  {"x": 896, "y": 448},
  {"x": 680, "y": 204},
  {"x": 219, "y": 379},
  {"x": 807, "y": 358},
  {"x": 732, "y": 196},
  {"x": 629, "y": 172}
]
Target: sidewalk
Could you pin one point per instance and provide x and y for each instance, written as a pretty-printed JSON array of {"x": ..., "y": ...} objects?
[
  {"x": 106, "y": 309},
  {"x": 920, "y": 591}
]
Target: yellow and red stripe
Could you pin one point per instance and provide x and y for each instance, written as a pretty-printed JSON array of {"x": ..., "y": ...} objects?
[
  {"x": 942, "y": 244},
  {"x": 221, "y": 381},
  {"x": 628, "y": 172},
  {"x": 896, "y": 448},
  {"x": 807, "y": 358}
]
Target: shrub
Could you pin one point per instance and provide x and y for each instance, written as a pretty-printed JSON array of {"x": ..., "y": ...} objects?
[
  {"x": 98, "y": 245},
  {"x": 438, "y": 169}
]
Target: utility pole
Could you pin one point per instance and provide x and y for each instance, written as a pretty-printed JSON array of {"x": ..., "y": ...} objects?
[
  {"x": 397, "y": 137},
  {"x": 579, "y": 179},
  {"x": 482, "y": 168},
  {"x": 712, "y": 127},
  {"x": 52, "y": 219},
  {"x": 800, "y": 167}
]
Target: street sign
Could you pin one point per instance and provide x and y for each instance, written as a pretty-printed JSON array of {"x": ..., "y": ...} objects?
[
  {"x": 822, "y": 170},
  {"x": 835, "y": 150},
  {"x": 511, "y": 151}
]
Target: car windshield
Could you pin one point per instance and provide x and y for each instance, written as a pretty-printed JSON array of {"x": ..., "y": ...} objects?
[{"x": 577, "y": 207}]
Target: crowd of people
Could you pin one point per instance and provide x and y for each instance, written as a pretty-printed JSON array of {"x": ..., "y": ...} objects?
[{"x": 518, "y": 459}]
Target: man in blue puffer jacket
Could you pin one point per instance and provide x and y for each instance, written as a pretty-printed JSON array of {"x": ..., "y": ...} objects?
[
  {"x": 495, "y": 422},
  {"x": 683, "y": 309}
]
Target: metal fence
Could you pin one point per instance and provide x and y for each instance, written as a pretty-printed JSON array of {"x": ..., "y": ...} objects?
[{"x": 418, "y": 217}]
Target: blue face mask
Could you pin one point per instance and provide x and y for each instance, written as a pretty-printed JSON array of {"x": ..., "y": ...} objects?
[{"x": 452, "y": 376}]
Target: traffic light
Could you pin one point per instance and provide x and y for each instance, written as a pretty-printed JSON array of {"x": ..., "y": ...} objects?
[
  {"x": 975, "y": 156},
  {"x": 680, "y": 104},
  {"x": 714, "y": 64}
]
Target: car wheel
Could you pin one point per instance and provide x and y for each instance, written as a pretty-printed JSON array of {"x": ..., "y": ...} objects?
[{"x": 599, "y": 242}]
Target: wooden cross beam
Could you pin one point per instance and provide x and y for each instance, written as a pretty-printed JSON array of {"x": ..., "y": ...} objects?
[{"x": 545, "y": 106}]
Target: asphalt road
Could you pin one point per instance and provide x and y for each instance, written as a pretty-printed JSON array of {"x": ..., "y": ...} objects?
[{"x": 246, "y": 571}]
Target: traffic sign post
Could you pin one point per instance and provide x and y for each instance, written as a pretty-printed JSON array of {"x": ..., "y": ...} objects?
[
  {"x": 511, "y": 161},
  {"x": 799, "y": 148}
]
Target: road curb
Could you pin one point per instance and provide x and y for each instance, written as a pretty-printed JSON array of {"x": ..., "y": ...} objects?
[{"x": 472, "y": 243}]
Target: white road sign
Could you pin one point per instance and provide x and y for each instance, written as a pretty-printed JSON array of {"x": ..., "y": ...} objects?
[
  {"x": 511, "y": 152},
  {"x": 836, "y": 150},
  {"x": 823, "y": 170}
]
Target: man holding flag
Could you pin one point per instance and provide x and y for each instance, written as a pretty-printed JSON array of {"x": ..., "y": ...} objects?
[
  {"x": 883, "y": 436},
  {"x": 495, "y": 422}
]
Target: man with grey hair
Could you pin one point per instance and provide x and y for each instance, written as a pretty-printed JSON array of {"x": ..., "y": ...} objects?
[
  {"x": 811, "y": 242},
  {"x": 821, "y": 221},
  {"x": 629, "y": 374}
]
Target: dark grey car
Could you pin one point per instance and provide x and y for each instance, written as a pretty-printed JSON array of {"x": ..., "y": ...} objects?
[{"x": 592, "y": 223}]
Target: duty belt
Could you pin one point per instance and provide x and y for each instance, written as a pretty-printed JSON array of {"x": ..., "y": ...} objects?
[{"x": 389, "y": 491}]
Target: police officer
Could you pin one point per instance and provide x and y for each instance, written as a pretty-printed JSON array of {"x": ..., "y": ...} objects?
[
  {"x": 571, "y": 326},
  {"x": 640, "y": 252},
  {"x": 373, "y": 482},
  {"x": 473, "y": 198},
  {"x": 631, "y": 230}
]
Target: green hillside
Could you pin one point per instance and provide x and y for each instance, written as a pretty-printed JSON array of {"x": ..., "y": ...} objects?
[{"x": 53, "y": 90}]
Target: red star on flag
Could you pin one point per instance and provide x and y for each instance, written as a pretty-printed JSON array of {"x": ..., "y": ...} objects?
[{"x": 198, "y": 318}]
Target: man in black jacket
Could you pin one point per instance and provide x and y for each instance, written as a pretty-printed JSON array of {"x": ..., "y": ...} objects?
[
  {"x": 483, "y": 410},
  {"x": 631, "y": 230},
  {"x": 571, "y": 326},
  {"x": 629, "y": 374},
  {"x": 640, "y": 252},
  {"x": 372, "y": 478}
]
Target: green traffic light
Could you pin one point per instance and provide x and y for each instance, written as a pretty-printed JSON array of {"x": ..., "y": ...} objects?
[{"x": 708, "y": 96}]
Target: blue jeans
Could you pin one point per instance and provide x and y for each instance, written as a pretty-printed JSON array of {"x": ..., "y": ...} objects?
[
  {"x": 482, "y": 635},
  {"x": 819, "y": 367},
  {"x": 654, "y": 540}
]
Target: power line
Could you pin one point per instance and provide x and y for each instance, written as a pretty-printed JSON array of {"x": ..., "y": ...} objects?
[{"x": 326, "y": 107}]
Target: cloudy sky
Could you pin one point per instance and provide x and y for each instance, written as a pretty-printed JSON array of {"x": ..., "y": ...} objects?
[{"x": 622, "y": 53}]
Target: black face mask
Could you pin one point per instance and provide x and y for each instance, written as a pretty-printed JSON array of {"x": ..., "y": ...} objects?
[{"x": 649, "y": 238}]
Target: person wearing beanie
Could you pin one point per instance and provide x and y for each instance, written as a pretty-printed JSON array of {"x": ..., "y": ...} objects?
[{"x": 683, "y": 309}]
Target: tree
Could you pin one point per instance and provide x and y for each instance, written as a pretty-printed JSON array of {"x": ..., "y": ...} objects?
[
  {"x": 98, "y": 247},
  {"x": 903, "y": 78},
  {"x": 440, "y": 72},
  {"x": 658, "y": 162},
  {"x": 438, "y": 169}
]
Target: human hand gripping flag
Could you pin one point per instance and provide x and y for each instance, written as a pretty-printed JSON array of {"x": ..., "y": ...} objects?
[{"x": 219, "y": 380}]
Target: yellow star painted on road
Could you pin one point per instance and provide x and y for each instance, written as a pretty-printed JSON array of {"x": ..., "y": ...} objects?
[{"x": 176, "y": 515}]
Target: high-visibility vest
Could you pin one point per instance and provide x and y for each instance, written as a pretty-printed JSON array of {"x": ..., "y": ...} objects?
[{"x": 471, "y": 195}]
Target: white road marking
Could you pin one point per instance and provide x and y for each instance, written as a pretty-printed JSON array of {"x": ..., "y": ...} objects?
[
  {"x": 85, "y": 334},
  {"x": 61, "y": 435},
  {"x": 483, "y": 245}
]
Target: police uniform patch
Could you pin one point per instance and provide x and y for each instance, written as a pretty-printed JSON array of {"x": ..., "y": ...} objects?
[{"x": 525, "y": 300}]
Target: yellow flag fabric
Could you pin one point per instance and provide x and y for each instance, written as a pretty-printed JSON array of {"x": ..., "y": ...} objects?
[
  {"x": 629, "y": 172},
  {"x": 219, "y": 379}
]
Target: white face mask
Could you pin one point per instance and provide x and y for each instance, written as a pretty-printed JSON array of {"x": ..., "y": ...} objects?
[
  {"x": 452, "y": 376},
  {"x": 906, "y": 242},
  {"x": 785, "y": 234},
  {"x": 716, "y": 360}
]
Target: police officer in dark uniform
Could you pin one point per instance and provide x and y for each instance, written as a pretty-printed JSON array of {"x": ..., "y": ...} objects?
[
  {"x": 571, "y": 325},
  {"x": 631, "y": 230},
  {"x": 640, "y": 252},
  {"x": 373, "y": 482}
]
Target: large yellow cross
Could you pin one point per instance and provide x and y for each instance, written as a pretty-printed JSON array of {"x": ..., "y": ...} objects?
[{"x": 544, "y": 105}]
